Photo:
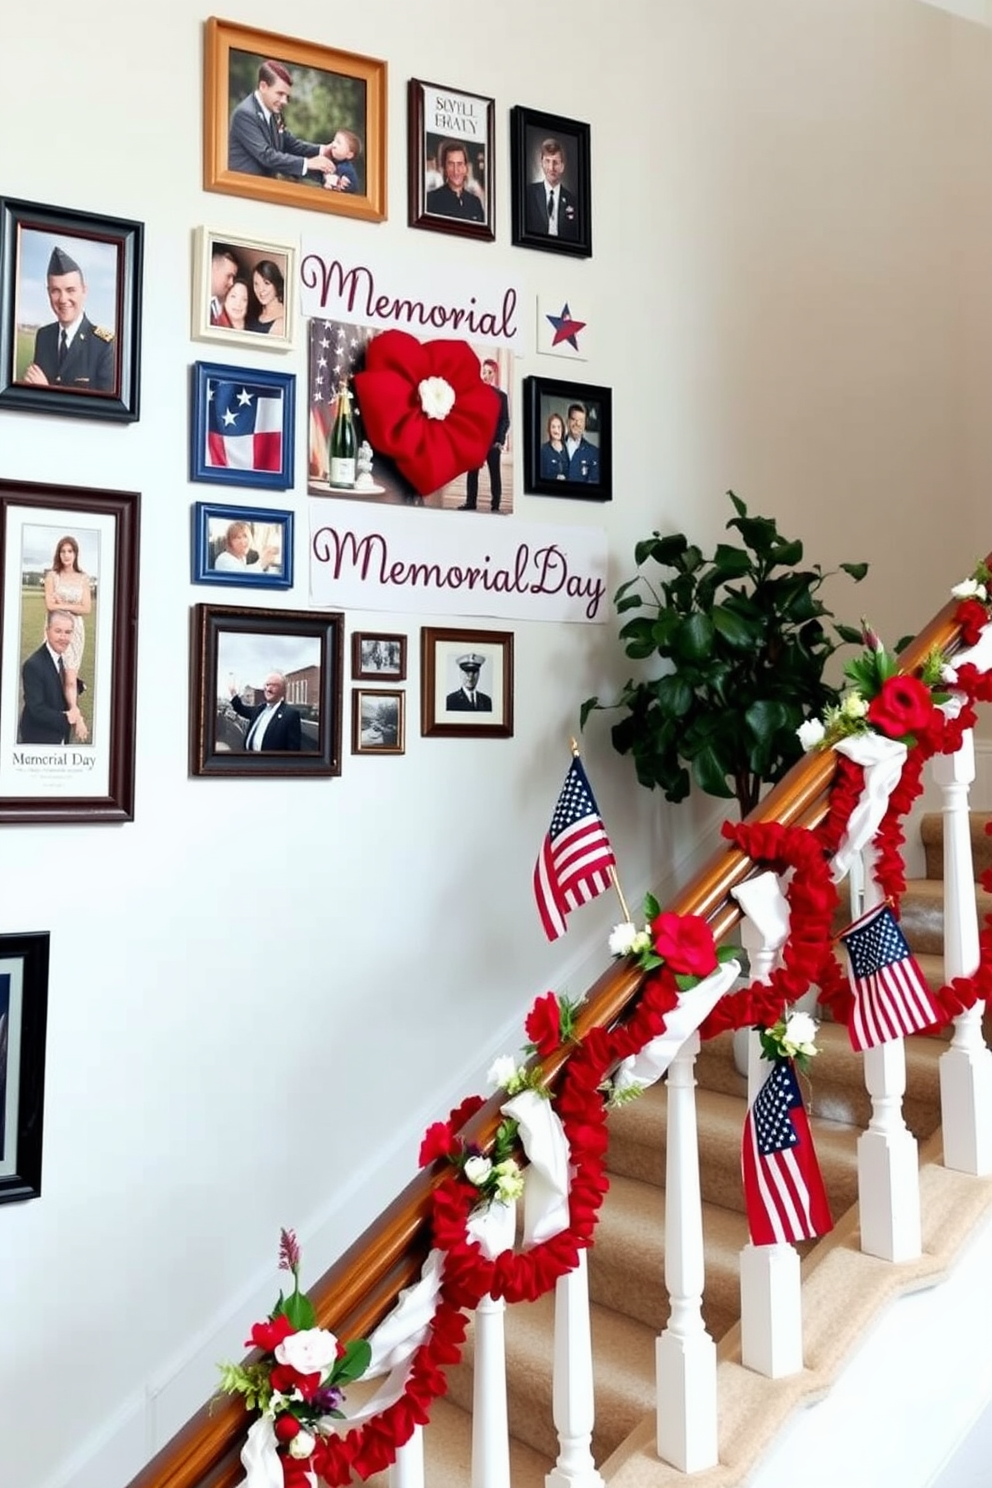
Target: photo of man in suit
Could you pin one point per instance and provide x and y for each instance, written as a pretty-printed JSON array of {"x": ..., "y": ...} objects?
[
  {"x": 273, "y": 724},
  {"x": 225, "y": 267},
  {"x": 550, "y": 209},
  {"x": 259, "y": 144},
  {"x": 490, "y": 374},
  {"x": 583, "y": 457},
  {"x": 46, "y": 718},
  {"x": 467, "y": 698},
  {"x": 71, "y": 353}
]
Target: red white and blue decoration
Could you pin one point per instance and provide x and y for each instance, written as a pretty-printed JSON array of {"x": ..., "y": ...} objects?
[
  {"x": 576, "y": 856},
  {"x": 891, "y": 995},
  {"x": 242, "y": 426},
  {"x": 561, "y": 331}
]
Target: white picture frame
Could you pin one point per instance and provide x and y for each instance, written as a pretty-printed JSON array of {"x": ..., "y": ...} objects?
[{"x": 241, "y": 261}]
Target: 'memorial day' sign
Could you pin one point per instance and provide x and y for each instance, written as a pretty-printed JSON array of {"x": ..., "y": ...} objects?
[
  {"x": 391, "y": 559},
  {"x": 339, "y": 284}
]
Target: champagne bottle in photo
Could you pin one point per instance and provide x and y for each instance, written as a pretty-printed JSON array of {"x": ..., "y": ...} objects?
[{"x": 343, "y": 447}]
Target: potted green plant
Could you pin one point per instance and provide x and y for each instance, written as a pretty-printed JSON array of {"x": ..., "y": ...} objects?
[{"x": 745, "y": 642}]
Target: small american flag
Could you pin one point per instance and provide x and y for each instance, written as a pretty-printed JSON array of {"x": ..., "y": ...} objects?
[
  {"x": 783, "y": 1186},
  {"x": 244, "y": 426},
  {"x": 574, "y": 862},
  {"x": 891, "y": 996}
]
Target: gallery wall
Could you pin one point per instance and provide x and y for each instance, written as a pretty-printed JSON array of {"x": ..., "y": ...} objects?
[{"x": 261, "y": 990}]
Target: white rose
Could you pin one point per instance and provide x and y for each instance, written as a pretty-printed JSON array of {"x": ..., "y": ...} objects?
[
  {"x": 509, "y": 1181},
  {"x": 502, "y": 1071},
  {"x": 801, "y": 1028},
  {"x": 853, "y": 705},
  {"x": 302, "y": 1444},
  {"x": 968, "y": 589},
  {"x": 622, "y": 938},
  {"x": 948, "y": 673},
  {"x": 477, "y": 1170},
  {"x": 311, "y": 1351},
  {"x": 437, "y": 397},
  {"x": 811, "y": 733}
]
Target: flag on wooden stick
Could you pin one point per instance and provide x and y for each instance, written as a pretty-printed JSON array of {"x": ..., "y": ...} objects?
[
  {"x": 783, "y": 1186},
  {"x": 575, "y": 859},
  {"x": 891, "y": 996}
]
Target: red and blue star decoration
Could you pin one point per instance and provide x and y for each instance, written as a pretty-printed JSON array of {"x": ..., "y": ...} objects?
[{"x": 566, "y": 329}]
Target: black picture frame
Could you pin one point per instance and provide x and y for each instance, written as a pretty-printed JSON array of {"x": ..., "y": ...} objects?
[
  {"x": 103, "y": 362},
  {"x": 91, "y": 781},
  {"x": 545, "y": 398},
  {"x": 470, "y": 120},
  {"x": 529, "y": 130},
  {"x": 237, "y": 649},
  {"x": 23, "y": 1025}
]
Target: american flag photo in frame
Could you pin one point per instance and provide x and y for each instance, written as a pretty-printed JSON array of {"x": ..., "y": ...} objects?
[{"x": 242, "y": 426}]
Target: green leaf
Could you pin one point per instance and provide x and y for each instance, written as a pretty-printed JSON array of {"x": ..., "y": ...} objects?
[
  {"x": 695, "y": 638},
  {"x": 587, "y": 707},
  {"x": 726, "y": 953},
  {"x": 353, "y": 1362},
  {"x": 709, "y": 774},
  {"x": 788, "y": 553},
  {"x": 299, "y": 1309},
  {"x": 664, "y": 550},
  {"x": 857, "y": 571},
  {"x": 731, "y": 562},
  {"x": 674, "y": 694},
  {"x": 848, "y": 633},
  {"x": 733, "y": 629},
  {"x": 628, "y": 602},
  {"x": 652, "y": 909}
]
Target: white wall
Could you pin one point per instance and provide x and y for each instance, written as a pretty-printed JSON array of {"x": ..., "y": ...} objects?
[{"x": 262, "y": 991}]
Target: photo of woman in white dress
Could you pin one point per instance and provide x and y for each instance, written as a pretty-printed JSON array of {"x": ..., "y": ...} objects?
[{"x": 69, "y": 589}]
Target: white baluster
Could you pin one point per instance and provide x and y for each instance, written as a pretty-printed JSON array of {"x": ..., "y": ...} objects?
[
  {"x": 966, "y": 1067},
  {"x": 408, "y": 1469},
  {"x": 490, "y": 1431},
  {"x": 685, "y": 1354},
  {"x": 574, "y": 1406},
  {"x": 888, "y": 1161}
]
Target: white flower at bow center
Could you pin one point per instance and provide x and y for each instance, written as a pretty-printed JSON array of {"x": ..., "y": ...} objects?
[{"x": 437, "y": 397}]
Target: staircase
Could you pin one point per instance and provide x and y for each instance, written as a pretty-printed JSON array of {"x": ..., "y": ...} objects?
[{"x": 843, "y": 1289}]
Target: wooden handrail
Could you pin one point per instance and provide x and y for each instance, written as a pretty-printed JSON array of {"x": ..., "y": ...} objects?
[{"x": 361, "y": 1286}]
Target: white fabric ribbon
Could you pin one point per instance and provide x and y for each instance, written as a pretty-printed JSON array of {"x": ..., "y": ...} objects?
[
  {"x": 767, "y": 908},
  {"x": 882, "y": 760},
  {"x": 980, "y": 655},
  {"x": 546, "y": 1179},
  {"x": 650, "y": 1064},
  {"x": 259, "y": 1458}
]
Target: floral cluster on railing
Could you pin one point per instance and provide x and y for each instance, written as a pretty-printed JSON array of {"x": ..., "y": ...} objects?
[{"x": 307, "y": 1431}]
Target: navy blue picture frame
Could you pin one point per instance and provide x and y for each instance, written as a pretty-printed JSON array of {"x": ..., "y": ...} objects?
[
  {"x": 211, "y": 521},
  {"x": 241, "y": 389}
]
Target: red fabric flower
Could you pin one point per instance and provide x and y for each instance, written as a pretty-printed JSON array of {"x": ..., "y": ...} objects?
[
  {"x": 286, "y": 1379},
  {"x": 269, "y": 1334},
  {"x": 903, "y": 706},
  {"x": 286, "y": 1427},
  {"x": 685, "y": 942},
  {"x": 543, "y": 1024},
  {"x": 972, "y": 616},
  {"x": 428, "y": 450},
  {"x": 438, "y": 1141}
]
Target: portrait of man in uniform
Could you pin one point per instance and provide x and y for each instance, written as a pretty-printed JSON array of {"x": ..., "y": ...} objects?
[{"x": 65, "y": 313}]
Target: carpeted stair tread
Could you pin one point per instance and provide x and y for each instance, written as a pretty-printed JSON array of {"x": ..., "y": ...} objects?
[
  {"x": 448, "y": 1454},
  {"x": 921, "y": 913},
  {"x": 932, "y": 837}
]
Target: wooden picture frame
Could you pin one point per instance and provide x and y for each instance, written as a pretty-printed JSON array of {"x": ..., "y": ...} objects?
[
  {"x": 535, "y": 169},
  {"x": 248, "y": 275},
  {"x": 339, "y": 93},
  {"x": 378, "y": 721},
  {"x": 451, "y": 160},
  {"x": 95, "y": 297},
  {"x": 585, "y": 473},
  {"x": 23, "y": 1024},
  {"x": 457, "y": 663},
  {"x": 242, "y": 426},
  {"x": 235, "y": 653},
  {"x": 378, "y": 657},
  {"x": 259, "y": 556},
  {"x": 49, "y": 772}
]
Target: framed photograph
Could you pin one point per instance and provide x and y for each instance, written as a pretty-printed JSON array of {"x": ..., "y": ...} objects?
[
  {"x": 70, "y": 312},
  {"x": 378, "y": 721},
  {"x": 293, "y": 123},
  {"x": 378, "y": 658},
  {"x": 266, "y": 692},
  {"x": 466, "y": 681},
  {"x": 244, "y": 291},
  {"x": 241, "y": 426},
  {"x": 451, "y": 160},
  {"x": 550, "y": 175},
  {"x": 68, "y": 652},
  {"x": 568, "y": 439},
  {"x": 23, "y": 1019},
  {"x": 248, "y": 546}
]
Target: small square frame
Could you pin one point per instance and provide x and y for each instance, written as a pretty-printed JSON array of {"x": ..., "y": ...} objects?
[
  {"x": 257, "y": 642},
  {"x": 528, "y": 210},
  {"x": 247, "y": 254},
  {"x": 377, "y": 657},
  {"x": 428, "y": 103},
  {"x": 546, "y": 398},
  {"x": 109, "y": 251},
  {"x": 356, "y": 78},
  {"x": 210, "y": 526},
  {"x": 443, "y": 713},
  {"x": 23, "y": 1023},
  {"x": 207, "y": 380},
  {"x": 386, "y": 715}
]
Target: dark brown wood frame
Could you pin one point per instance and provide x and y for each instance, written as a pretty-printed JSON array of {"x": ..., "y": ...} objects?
[
  {"x": 431, "y": 725},
  {"x": 357, "y": 671},
  {"x": 417, "y": 213}
]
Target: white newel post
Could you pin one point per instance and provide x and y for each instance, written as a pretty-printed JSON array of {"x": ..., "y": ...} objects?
[
  {"x": 408, "y": 1469},
  {"x": 771, "y": 1284},
  {"x": 888, "y": 1160},
  {"x": 574, "y": 1406},
  {"x": 685, "y": 1354},
  {"x": 490, "y": 1429},
  {"x": 966, "y": 1067}
]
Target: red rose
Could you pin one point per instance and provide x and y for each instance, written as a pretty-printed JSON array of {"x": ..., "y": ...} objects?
[
  {"x": 286, "y": 1379},
  {"x": 972, "y": 616},
  {"x": 685, "y": 942},
  {"x": 286, "y": 1427},
  {"x": 904, "y": 706},
  {"x": 438, "y": 1141},
  {"x": 269, "y": 1334},
  {"x": 543, "y": 1024}
]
